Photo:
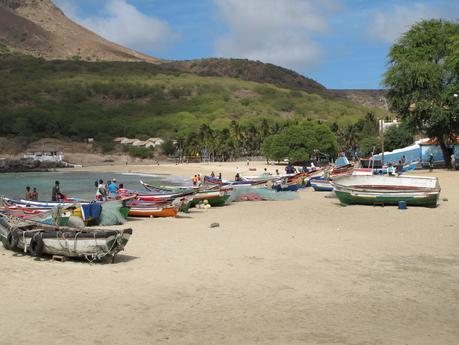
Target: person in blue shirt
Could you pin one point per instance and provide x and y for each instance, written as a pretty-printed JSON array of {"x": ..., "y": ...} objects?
[{"x": 112, "y": 187}]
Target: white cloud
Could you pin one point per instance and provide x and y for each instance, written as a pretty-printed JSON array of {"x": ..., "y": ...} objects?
[
  {"x": 69, "y": 7},
  {"x": 388, "y": 27},
  {"x": 274, "y": 31},
  {"x": 124, "y": 24}
]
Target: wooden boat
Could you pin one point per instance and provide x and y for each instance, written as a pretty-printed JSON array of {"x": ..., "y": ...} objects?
[
  {"x": 39, "y": 239},
  {"x": 387, "y": 190},
  {"x": 286, "y": 187},
  {"x": 153, "y": 211},
  {"x": 321, "y": 184},
  {"x": 214, "y": 197}
]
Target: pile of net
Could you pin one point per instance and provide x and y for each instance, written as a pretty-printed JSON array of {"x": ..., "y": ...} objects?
[
  {"x": 260, "y": 193},
  {"x": 111, "y": 214}
]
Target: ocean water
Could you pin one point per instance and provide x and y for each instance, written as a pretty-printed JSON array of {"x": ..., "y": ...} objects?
[{"x": 76, "y": 184}]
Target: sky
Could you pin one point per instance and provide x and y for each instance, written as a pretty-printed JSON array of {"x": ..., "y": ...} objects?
[{"x": 341, "y": 44}]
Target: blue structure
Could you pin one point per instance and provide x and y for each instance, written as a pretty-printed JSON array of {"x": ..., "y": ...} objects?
[
  {"x": 418, "y": 152},
  {"x": 412, "y": 153}
]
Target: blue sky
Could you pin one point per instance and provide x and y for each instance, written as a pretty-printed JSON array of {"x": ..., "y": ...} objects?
[{"x": 341, "y": 44}]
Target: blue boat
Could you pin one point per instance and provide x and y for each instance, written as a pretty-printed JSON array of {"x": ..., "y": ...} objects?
[
  {"x": 321, "y": 184},
  {"x": 286, "y": 188}
]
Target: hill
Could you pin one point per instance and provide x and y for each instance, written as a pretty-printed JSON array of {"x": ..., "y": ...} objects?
[
  {"x": 39, "y": 28},
  {"x": 369, "y": 98},
  {"x": 250, "y": 71},
  {"x": 79, "y": 99}
]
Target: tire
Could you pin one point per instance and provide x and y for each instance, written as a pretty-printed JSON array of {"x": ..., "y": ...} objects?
[
  {"x": 11, "y": 241},
  {"x": 36, "y": 245}
]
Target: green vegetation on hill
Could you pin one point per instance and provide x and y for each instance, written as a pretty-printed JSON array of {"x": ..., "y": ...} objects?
[
  {"x": 249, "y": 70},
  {"x": 78, "y": 99}
]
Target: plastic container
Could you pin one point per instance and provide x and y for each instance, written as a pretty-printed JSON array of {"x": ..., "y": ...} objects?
[{"x": 402, "y": 205}]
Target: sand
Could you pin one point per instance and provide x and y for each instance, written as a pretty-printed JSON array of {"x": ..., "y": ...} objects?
[{"x": 307, "y": 271}]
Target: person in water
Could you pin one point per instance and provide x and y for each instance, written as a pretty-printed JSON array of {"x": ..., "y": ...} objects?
[
  {"x": 35, "y": 194},
  {"x": 56, "y": 194},
  {"x": 28, "y": 194}
]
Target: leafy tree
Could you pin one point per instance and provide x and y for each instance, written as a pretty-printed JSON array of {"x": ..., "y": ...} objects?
[
  {"x": 369, "y": 145},
  {"x": 168, "y": 148},
  {"x": 397, "y": 137},
  {"x": 299, "y": 142},
  {"x": 423, "y": 78}
]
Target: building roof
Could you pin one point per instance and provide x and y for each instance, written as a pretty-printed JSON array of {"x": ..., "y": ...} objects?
[
  {"x": 119, "y": 139},
  {"x": 434, "y": 141}
]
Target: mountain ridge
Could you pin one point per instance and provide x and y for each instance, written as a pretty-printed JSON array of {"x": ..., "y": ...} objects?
[{"x": 41, "y": 29}]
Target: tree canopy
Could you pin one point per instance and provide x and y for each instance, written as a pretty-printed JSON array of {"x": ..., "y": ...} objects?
[
  {"x": 298, "y": 142},
  {"x": 422, "y": 79}
]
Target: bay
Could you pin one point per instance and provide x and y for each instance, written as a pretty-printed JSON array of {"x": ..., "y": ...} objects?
[{"x": 76, "y": 184}]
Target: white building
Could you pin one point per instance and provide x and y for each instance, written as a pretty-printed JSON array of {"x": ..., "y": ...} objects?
[{"x": 45, "y": 154}]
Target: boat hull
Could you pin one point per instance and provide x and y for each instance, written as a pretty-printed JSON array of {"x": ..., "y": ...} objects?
[
  {"x": 212, "y": 199},
  {"x": 153, "y": 212},
  {"x": 93, "y": 244},
  {"x": 427, "y": 199}
]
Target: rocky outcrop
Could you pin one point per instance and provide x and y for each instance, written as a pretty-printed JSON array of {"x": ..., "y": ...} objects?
[{"x": 23, "y": 165}]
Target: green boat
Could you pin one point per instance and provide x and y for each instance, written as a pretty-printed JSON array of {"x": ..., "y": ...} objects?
[
  {"x": 215, "y": 198},
  {"x": 387, "y": 190},
  {"x": 419, "y": 199}
]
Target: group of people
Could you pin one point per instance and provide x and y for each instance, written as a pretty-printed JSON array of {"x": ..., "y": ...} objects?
[
  {"x": 106, "y": 190},
  {"x": 31, "y": 195}
]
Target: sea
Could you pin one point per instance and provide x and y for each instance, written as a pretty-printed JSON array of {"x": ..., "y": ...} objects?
[{"x": 76, "y": 184}]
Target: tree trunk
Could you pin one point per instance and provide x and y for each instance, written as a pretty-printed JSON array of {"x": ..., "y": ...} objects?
[{"x": 444, "y": 150}]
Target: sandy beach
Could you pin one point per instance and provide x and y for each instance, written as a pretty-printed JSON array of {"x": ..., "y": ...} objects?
[{"x": 307, "y": 271}]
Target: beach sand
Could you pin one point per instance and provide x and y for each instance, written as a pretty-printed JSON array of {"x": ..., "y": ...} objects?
[{"x": 307, "y": 271}]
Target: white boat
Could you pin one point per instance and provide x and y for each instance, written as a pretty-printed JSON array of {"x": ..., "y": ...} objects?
[{"x": 389, "y": 190}]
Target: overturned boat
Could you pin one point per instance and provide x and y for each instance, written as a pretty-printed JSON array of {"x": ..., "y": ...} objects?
[
  {"x": 39, "y": 239},
  {"x": 387, "y": 190}
]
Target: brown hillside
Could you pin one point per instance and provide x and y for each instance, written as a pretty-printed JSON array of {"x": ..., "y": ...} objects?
[
  {"x": 39, "y": 28},
  {"x": 369, "y": 98}
]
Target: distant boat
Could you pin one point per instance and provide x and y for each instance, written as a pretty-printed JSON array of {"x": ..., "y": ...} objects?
[{"x": 387, "y": 190}]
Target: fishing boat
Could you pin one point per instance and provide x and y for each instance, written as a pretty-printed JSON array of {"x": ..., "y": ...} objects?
[
  {"x": 219, "y": 197},
  {"x": 39, "y": 239},
  {"x": 387, "y": 190},
  {"x": 144, "y": 209},
  {"x": 321, "y": 184}
]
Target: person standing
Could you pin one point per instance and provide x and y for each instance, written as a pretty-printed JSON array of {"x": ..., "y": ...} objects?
[
  {"x": 195, "y": 180},
  {"x": 34, "y": 194},
  {"x": 28, "y": 194},
  {"x": 101, "y": 193},
  {"x": 431, "y": 162},
  {"x": 112, "y": 187},
  {"x": 220, "y": 176},
  {"x": 56, "y": 194}
]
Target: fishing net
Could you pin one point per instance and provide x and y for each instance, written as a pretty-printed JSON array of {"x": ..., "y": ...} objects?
[
  {"x": 260, "y": 193},
  {"x": 75, "y": 222},
  {"x": 111, "y": 214}
]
